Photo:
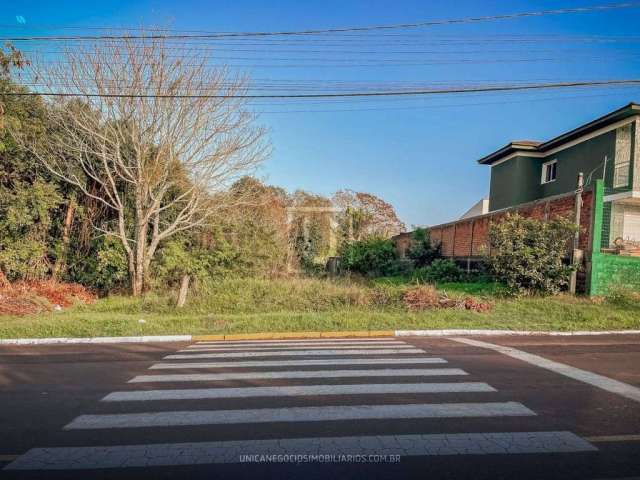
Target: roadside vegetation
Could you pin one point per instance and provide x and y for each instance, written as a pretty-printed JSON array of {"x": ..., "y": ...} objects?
[
  {"x": 132, "y": 216},
  {"x": 287, "y": 305}
]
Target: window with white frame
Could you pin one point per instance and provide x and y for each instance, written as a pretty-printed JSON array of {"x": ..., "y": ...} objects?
[
  {"x": 622, "y": 160},
  {"x": 549, "y": 171}
]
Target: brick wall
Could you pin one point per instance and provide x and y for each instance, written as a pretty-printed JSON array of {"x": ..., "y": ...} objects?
[{"x": 469, "y": 238}]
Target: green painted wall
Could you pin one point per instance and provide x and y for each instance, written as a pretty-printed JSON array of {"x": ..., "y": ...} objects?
[
  {"x": 517, "y": 180},
  {"x": 512, "y": 184},
  {"x": 606, "y": 224},
  {"x": 607, "y": 271}
]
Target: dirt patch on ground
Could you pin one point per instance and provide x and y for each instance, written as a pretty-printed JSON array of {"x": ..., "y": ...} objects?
[
  {"x": 426, "y": 297},
  {"x": 24, "y": 298}
]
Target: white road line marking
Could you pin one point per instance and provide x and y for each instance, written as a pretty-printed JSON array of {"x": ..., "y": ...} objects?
[
  {"x": 600, "y": 381},
  {"x": 170, "y": 454},
  {"x": 208, "y": 377},
  {"x": 213, "y": 348},
  {"x": 299, "y": 340},
  {"x": 297, "y": 390},
  {"x": 300, "y": 363},
  {"x": 277, "y": 343},
  {"x": 298, "y": 414},
  {"x": 279, "y": 353}
]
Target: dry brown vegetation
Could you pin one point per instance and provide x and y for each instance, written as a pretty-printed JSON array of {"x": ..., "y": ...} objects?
[
  {"x": 426, "y": 297},
  {"x": 24, "y": 298}
]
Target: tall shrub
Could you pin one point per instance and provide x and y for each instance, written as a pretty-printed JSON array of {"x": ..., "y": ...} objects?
[
  {"x": 528, "y": 254},
  {"x": 372, "y": 257}
]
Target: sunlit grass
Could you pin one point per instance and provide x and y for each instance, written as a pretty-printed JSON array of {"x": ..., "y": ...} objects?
[{"x": 289, "y": 305}]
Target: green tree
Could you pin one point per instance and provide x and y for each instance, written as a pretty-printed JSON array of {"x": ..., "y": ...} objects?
[{"x": 31, "y": 201}]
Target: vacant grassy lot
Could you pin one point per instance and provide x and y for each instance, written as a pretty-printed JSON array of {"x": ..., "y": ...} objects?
[{"x": 251, "y": 305}]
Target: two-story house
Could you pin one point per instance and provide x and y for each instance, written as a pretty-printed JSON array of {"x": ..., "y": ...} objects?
[
  {"x": 539, "y": 179},
  {"x": 606, "y": 148}
]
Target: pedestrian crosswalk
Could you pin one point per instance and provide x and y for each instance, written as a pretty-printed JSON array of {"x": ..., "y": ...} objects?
[{"x": 357, "y": 386}]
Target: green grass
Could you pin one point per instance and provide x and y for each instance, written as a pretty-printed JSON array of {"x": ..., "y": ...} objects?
[{"x": 253, "y": 305}]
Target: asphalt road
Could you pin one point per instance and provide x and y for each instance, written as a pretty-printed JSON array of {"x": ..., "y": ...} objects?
[{"x": 543, "y": 407}]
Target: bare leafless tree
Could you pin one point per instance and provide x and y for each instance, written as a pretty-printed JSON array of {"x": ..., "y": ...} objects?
[{"x": 155, "y": 136}]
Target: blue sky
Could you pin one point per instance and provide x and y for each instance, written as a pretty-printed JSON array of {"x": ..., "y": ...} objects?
[{"x": 419, "y": 153}]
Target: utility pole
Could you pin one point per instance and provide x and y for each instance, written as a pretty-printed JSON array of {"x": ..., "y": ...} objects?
[{"x": 576, "y": 254}]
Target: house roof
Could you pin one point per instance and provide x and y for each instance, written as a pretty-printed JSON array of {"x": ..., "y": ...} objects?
[{"x": 541, "y": 147}]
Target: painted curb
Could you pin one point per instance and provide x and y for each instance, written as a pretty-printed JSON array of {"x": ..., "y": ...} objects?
[
  {"x": 292, "y": 335},
  {"x": 451, "y": 333},
  {"x": 67, "y": 341}
]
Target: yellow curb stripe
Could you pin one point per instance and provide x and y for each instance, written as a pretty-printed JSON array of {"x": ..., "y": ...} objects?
[
  {"x": 284, "y": 335},
  {"x": 613, "y": 438},
  {"x": 382, "y": 333},
  {"x": 207, "y": 337}
]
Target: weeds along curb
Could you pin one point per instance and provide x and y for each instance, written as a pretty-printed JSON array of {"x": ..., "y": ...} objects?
[{"x": 292, "y": 335}]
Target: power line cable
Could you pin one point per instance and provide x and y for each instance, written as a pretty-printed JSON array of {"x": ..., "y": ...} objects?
[
  {"x": 479, "y": 89},
  {"x": 486, "y": 18}
]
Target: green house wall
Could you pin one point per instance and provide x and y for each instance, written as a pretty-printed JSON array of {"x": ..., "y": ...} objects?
[{"x": 517, "y": 180}]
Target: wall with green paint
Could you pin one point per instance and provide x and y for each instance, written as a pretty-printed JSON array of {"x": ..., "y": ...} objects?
[
  {"x": 517, "y": 180},
  {"x": 512, "y": 182},
  {"x": 607, "y": 271},
  {"x": 606, "y": 225},
  {"x": 610, "y": 272}
]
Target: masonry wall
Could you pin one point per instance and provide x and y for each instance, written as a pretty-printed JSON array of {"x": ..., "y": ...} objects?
[
  {"x": 468, "y": 239},
  {"x": 610, "y": 272}
]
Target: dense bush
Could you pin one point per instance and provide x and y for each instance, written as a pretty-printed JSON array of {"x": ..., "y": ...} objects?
[
  {"x": 440, "y": 270},
  {"x": 105, "y": 269},
  {"x": 26, "y": 214},
  {"x": 371, "y": 257},
  {"x": 421, "y": 251},
  {"x": 183, "y": 256},
  {"x": 528, "y": 254}
]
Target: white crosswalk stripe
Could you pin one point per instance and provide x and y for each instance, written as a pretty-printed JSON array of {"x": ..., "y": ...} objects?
[
  {"x": 300, "y": 363},
  {"x": 294, "y": 344},
  {"x": 349, "y": 368},
  {"x": 299, "y": 414},
  {"x": 308, "y": 341},
  {"x": 212, "y": 377},
  {"x": 305, "y": 353},
  {"x": 298, "y": 390},
  {"x": 295, "y": 347},
  {"x": 170, "y": 454}
]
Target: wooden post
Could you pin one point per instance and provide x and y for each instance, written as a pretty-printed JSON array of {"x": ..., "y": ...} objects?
[
  {"x": 576, "y": 254},
  {"x": 184, "y": 288}
]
